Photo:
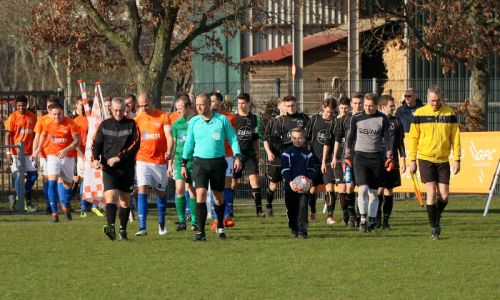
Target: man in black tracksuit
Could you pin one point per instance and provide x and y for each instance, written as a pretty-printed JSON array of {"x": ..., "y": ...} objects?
[
  {"x": 115, "y": 146},
  {"x": 277, "y": 138},
  {"x": 296, "y": 161}
]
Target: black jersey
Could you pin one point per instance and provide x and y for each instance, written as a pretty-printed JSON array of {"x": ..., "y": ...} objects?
[
  {"x": 398, "y": 148},
  {"x": 273, "y": 137},
  {"x": 343, "y": 126},
  {"x": 278, "y": 130},
  {"x": 116, "y": 138},
  {"x": 284, "y": 125},
  {"x": 247, "y": 132},
  {"x": 320, "y": 132}
]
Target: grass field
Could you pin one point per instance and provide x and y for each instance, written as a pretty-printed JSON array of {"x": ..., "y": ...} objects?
[{"x": 40, "y": 260}]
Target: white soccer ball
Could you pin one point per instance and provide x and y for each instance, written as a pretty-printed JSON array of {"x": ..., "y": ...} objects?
[{"x": 302, "y": 184}]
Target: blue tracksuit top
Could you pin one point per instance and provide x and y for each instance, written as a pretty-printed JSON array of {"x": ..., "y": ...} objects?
[
  {"x": 296, "y": 161},
  {"x": 205, "y": 139}
]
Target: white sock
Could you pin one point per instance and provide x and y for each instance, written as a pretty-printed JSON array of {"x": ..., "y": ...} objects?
[{"x": 373, "y": 203}]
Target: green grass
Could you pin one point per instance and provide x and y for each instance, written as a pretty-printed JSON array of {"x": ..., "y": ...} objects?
[{"x": 259, "y": 260}]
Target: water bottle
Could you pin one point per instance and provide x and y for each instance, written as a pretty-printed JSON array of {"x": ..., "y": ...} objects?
[{"x": 348, "y": 174}]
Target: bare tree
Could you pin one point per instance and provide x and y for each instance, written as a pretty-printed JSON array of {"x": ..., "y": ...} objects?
[{"x": 148, "y": 37}]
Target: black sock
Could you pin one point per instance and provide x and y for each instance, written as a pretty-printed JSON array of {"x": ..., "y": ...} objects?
[
  {"x": 219, "y": 209},
  {"x": 201, "y": 215},
  {"x": 270, "y": 198},
  {"x": 123, "y": 214},
  {"x": 440, "y": 208},
  {"x": 312, "y": 202},
  {"x": 111, "y": 213},
  {"x": 431, "y": 213},
  {"x": 388, "y": 204},
  {"x": 343, "y": 205},
  {"x": 380, "y": 202},
  {"x": 27, "y": 198},
  {"x": 257, "y": 196},
  {"x": 350, "y": 205},
  {"x": 330, "y": 202}
]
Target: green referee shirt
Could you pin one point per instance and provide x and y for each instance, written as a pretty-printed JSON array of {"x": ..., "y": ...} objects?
[{"x": 205, "y": 139}]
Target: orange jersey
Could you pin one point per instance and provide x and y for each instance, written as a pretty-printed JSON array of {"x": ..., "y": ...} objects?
[
  {"x": 21, "y": 127},
  {"x": 60, "y": 135},
  {"x": 83, "y": 126},
  {"x": 40, "y": 125},
  {"x": 153, "y": 141},
  {"x": 232, "y": 120},
  {"x": 174, "y": 116}
]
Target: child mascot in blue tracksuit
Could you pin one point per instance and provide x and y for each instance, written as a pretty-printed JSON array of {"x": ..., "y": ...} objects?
[{"x": 296, "y": 161}]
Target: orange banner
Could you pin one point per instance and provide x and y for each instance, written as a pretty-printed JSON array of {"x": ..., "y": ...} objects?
[{"x": 480, "y": 156}]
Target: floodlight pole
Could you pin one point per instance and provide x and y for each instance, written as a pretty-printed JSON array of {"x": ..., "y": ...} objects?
[{"x": 298, "y": 53}]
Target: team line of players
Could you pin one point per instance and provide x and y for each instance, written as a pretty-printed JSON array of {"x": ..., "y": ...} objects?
[{"x": 58, "y": 139}]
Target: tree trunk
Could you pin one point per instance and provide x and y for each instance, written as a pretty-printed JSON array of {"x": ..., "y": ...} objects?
[
  {"x": 151, "y": 81},
  {"x": 479, "y": 91}
]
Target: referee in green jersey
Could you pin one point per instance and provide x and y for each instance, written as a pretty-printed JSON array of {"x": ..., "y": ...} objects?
[{"x": 205, "y": 143}]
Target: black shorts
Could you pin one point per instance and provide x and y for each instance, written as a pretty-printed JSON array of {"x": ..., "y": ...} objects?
[
  {"x": 249, "y": 164},
  {"x": 434, "y": 172},
  {"x": 121, "y": 179},
  {"x": 321, "y": 178},
  {"x": 391, "y": 179},
  {"x": 274, "y": 171},
  {"x": 211, "y": 171},
  {"x": 368, "y": 169}
]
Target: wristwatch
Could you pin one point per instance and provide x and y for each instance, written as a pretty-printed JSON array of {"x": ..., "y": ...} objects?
[{"x": 237, "y": 156}]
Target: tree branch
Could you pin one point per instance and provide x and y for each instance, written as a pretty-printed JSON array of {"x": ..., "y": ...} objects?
[{"x": 202, "y": 28}]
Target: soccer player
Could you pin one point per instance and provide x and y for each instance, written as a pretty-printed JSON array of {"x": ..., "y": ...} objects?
[
  {"x": 319, "y": 131},
  {"x": 179, "y": 133},
  {"x": 337, "y": 143},
  {"x": 369, "y": 133},
  {"x": 392, "y": 179},
  {"x": 356, "y": 105},
  {"x": 63, "y": 137},
  {"x": 277, "y": 138},
  {"x": 151, "y": 168},
  {"x": 107, "y": 106},
  {"x": 42, "y": 156},
  {"x": 83, "y": 126},
  {"x": 20, "y": 128},
  {"x": 114, "y": 148},
  {"x": 205, "y": 143},
  {"x": 295, "y": 161},
  {"x": 248, "y": 137},
  {"x": 216, "y": 105},
  {"x": 272, "y": 143},
  {"x": 131, "y": 103},
  {"x": 433, "y": 134}
]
